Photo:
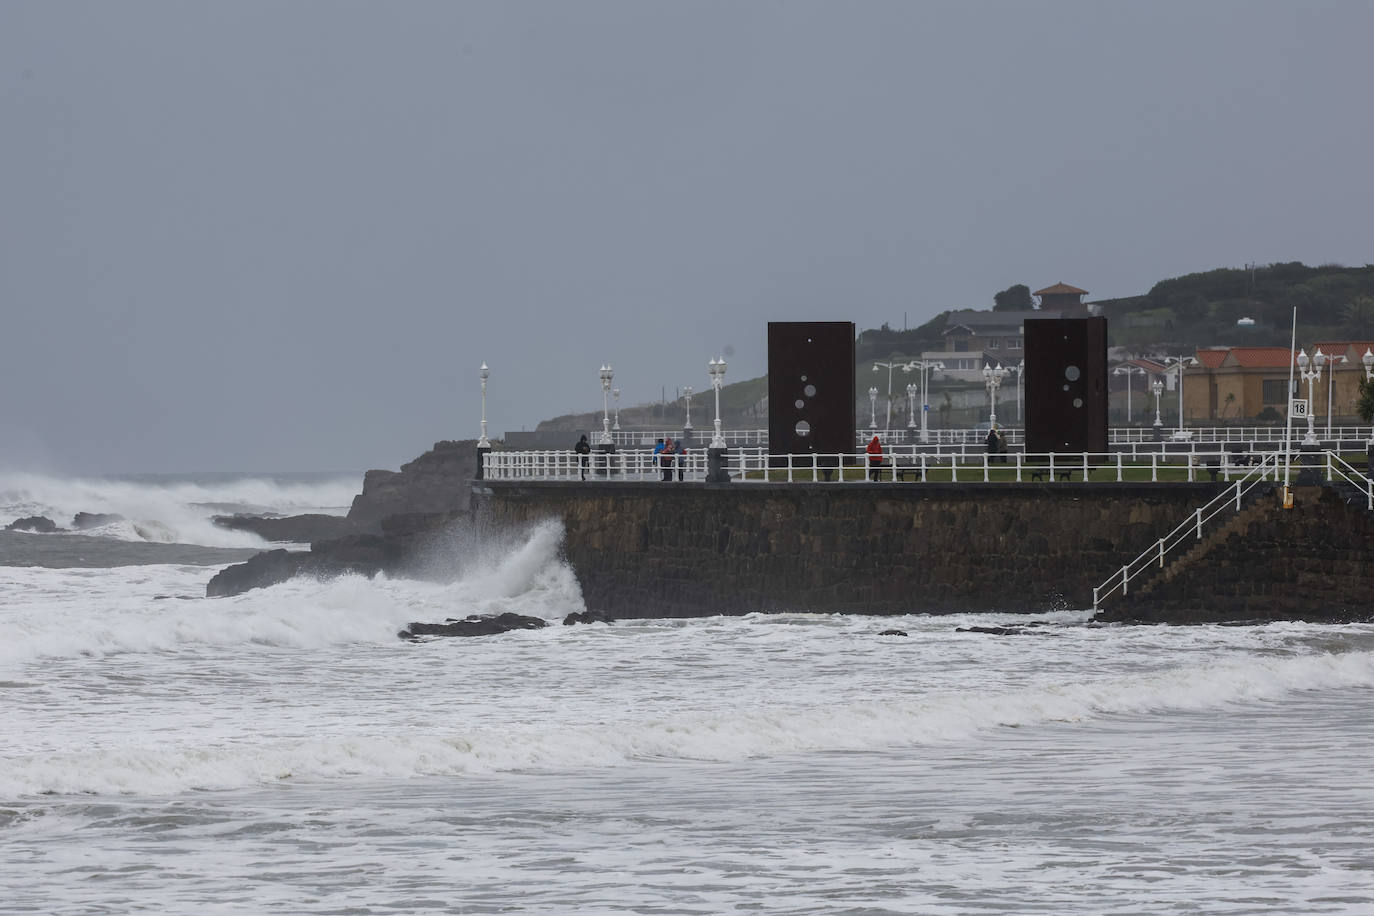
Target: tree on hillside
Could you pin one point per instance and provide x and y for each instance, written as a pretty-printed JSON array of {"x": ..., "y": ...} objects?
[
  {"x": 1013, "y": 299},
  {"x": 1357, "y": 318}
]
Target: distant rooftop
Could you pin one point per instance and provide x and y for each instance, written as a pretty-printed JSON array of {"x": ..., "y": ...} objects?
[{"x": 1061, "y": 289}]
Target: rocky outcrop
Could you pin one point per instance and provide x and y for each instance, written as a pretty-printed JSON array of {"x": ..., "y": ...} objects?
[
  {"x": 267, "y": 568},
  {"x": 437, "y": 481},
  {"x": 474, "y": 625},
  {"x": 386, "y": 530},
  {"x": 38, "y": 523},
  {"x": 298, "y": 529},
  {"x": 395, "y": 551}
]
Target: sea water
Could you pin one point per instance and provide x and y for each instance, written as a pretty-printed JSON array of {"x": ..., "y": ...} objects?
[{"x": 284, "y": 751}]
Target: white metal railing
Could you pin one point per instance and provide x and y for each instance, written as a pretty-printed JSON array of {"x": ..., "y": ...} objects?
[
  {"x": 1337, "y": 468},
  {"x": 1190, "y": 529},
  {"x": 910, "y": 464},
  {"x": 1141, "y": 436}
]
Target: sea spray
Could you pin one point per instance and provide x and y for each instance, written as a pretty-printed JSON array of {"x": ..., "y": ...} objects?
[{"x": 169, "y": 510}]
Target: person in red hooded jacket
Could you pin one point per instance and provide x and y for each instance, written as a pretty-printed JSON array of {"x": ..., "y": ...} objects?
[{"x": 875, "y": 459}]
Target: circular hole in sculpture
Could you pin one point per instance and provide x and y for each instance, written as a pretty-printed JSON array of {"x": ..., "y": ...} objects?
[
  {"x": 799, "y": 403},
  {"x": 1077, "y": 402},
  {"x": 809, "y": 390},
  {"x": 803, "y": 428},
  {"x": 1072, "y": 373}
]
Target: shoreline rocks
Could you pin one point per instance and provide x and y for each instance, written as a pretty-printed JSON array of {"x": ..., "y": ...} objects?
[{"x": 474, "y": 625}]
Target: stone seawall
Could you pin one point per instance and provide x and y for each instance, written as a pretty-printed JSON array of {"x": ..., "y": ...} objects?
[{"x": 654, "y": 549}]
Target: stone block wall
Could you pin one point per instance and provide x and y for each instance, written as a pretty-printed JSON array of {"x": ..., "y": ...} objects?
[{"x": 654, "y": 549}]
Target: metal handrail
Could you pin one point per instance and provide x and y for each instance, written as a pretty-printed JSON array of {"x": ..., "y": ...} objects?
[
  {"x": 1235, "y": 494},
  {"x": 1338, "y": 467},
  {"x": 962, "y": 464}
]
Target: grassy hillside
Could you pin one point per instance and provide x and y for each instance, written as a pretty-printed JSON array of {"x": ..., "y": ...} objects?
[{"x": 1202, "y": 309}]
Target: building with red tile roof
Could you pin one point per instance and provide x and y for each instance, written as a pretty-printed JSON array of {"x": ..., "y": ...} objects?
[{"x": 1246, "y": 380}]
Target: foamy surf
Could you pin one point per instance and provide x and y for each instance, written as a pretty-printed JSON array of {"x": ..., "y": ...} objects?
[
  {"x": 166, "y": 764},
  {"x": 174, "y": 510}
]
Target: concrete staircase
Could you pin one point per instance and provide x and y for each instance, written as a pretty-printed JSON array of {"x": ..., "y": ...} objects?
[{"x": 1260, "y": 504}]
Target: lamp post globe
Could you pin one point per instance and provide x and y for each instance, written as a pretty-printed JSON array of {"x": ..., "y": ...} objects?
[{"x": 911, "y": 390}]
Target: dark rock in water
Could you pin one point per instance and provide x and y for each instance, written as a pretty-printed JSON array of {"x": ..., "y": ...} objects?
[
  {"x": 439, "y": 481},
  {"x": 475, "y": 625},
  {"x": 83, "y": 520},
  {"x": 995, "y": 631},
  {"x": 893, "y": 633},
  {"x": 587, "y": 617},
  {"x": 39, "y": 523},
  {"x": 299, "y": 529},
  {"x": 267, "y": 568}
]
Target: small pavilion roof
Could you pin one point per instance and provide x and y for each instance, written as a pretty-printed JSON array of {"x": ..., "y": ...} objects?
[{"x": 1061, "y": 288}]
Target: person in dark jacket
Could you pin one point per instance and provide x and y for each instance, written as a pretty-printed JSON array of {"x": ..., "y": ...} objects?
[
  {"x": 665, "y": 458},
  {"x": 584, "y": 451},
  {"x": 993, "y": 441}
]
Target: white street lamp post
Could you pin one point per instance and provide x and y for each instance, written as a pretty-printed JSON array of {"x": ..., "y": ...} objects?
[
  {"x": 873, "y": 408},
  {"x": 687, "y": 391},
  {"x": 615, "y": 394},
  {"x": 992, "y": 380},
  {"x": 1311, "y": 377},
  {"x": 1179, "y": 363},
  {"x": 905, "y": 367},
  {"x": 607, "y": 373},
  {"x": 716, "y": 369},
  {"x": 1020, "y": 370},
  {"x": 1368, "y": 361},
  {"x": 484, "y": 442},
  {"x": 1157, "y": 386},
  {"x": 1128, "y": 371},
  {"x": 926, "y": 366},
  {"x": 1319, "y": 356},
  {"x": 911, "y": 406}
]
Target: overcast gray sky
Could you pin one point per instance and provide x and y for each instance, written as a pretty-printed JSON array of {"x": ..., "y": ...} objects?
[{"x": 284, "y": 236}]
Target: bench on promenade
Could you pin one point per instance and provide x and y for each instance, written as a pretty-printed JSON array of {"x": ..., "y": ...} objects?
[{"x": 1059, "y": 473}]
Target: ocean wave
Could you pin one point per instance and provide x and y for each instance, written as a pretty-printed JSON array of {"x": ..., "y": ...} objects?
[
  {"x": 171, "y": 510},
  {"x": 720, "y": 735},
  {"x": 65, "y": 613}
]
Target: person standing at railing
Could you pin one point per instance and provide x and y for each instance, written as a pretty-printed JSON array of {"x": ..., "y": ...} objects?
[
  {"x": 681, "y": 459},
  {"x": 875, "y": 459},
  {"x": 584, "y": 451},
  {"x": 665, "y": 458}
]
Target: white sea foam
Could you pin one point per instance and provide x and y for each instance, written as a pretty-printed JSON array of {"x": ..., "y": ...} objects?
[{"x": 171, "y": 510}]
